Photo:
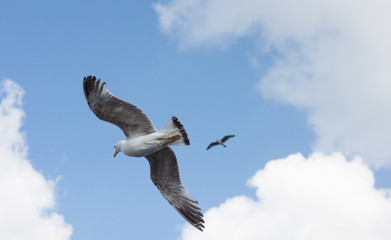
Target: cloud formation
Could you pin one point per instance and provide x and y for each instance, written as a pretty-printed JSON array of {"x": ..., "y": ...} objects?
[
  {"x": 330, "y": 58},
  {"x": 319, "y": 197},
  {"x": 27, "y": 198}
]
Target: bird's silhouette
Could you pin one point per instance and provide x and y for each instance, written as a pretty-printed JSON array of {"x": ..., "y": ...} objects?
[{"x": 221, "y": 141}]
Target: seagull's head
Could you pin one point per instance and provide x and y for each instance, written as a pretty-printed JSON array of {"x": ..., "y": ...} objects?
[{"x": 117, "y": 147}]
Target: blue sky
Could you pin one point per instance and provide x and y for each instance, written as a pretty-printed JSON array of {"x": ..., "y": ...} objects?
[{"x": 301, "y": 85}]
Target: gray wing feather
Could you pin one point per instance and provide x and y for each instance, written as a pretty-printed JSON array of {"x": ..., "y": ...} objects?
[
  {"x": 107, "y": 107},
  {"x": 165, "y": 176},
  {"x": 227, "y": 137},
  {"x": 212, "y": 145}
]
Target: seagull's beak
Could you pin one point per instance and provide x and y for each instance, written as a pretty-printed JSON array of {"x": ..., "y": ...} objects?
[{"x": 115, "y": 153}]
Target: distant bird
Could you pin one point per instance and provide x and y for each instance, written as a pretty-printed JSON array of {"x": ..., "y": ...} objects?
[
  {"x": 143, "y": 140},
  {"x": 221, "y": 141}
]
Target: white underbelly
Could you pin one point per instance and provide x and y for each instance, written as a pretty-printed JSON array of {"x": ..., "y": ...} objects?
[{"x": 143, "y": 145}]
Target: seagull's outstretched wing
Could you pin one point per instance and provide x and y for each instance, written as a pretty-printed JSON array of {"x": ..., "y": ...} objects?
[
  {"x": 227, "y": 137},
  {"x": 107, "y": 107},
  {"x": 212, "y": 145},
  {"x": 165, "y": 175}
]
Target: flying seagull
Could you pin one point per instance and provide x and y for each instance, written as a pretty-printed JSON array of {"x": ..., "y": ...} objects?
[
  {"x": 221, "y": 141},
  {"x": 143, "y": 140}
]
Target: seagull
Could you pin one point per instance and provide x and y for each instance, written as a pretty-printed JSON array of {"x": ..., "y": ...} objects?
[
  {"x": 221, "y": 141},
  {"x": 143, "y": 140}
]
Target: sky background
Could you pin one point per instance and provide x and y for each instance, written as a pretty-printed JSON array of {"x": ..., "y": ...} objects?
[{"x": 305, "y": 87}]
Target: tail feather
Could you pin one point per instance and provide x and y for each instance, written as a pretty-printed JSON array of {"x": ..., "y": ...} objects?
[{"x": 172, "y": 128}]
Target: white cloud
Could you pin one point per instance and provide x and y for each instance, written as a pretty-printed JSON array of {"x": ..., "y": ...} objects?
[
  {"x": 321, "y": 197},
  {"x": 330, "y": 58},
  {"x": 27, "y": 198}
]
